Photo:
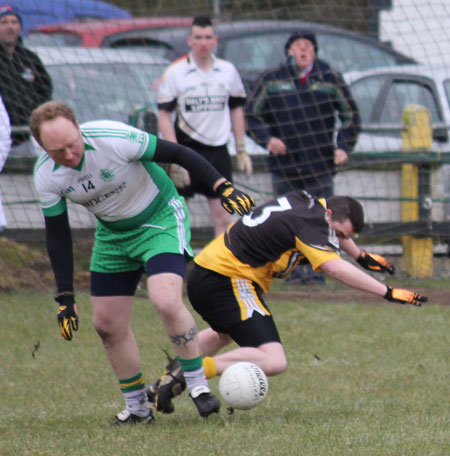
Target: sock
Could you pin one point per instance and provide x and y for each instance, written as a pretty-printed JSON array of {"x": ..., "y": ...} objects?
[
  {"x": 136, "y": 399},
  {"x": 193, "y": 371},
  {"x": 209, "y": 364},
  {"x": 195, "y": 378}
]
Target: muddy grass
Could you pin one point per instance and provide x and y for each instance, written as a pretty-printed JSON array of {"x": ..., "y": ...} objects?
[{"x": 27, "y": 267}]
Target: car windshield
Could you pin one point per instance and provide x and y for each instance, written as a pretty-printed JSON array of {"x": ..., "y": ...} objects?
[
  {"x": 447, "y": 90},
  {"x": 347, "y": 54},
  {"x": 106, "y": 90},
  {"x": 254, "y": 54},
  {"x": 52, "y": 39}
]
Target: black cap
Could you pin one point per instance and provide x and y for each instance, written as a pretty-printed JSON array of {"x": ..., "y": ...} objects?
[{"x": 305, "y": 34}]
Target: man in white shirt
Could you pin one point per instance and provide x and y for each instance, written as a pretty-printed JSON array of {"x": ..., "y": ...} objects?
[
  {"x": 5, "y": 147},
  {"x": 208, "y": 97}
]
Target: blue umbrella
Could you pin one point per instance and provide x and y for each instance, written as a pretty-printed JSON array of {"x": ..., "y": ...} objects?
[{"x": 46, "y": 12}]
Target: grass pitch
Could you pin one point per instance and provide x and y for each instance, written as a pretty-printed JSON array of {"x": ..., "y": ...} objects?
[{"x": 362, "y": 380}]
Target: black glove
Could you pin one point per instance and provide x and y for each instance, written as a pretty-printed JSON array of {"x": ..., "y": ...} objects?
[
  {"x": 404, "y": 296},
  {"x": 374, "y": 262},
  {"x": 67, "y": 315},
  {"x": 234, "y": 200}
]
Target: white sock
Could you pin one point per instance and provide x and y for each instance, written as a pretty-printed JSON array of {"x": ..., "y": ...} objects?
[
  {"x": 195, "y": 378},
  {"x": 137, "y": 402}
]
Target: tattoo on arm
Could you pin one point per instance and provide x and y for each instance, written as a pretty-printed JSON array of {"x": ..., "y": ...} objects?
[{"x": 184, "y": 339}]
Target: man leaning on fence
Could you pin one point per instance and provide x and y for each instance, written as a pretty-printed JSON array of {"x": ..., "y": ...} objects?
[{"x": 24, "y": 81}]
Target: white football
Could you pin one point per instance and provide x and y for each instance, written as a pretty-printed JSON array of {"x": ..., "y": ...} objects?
[{"x": 243, "y": 385}]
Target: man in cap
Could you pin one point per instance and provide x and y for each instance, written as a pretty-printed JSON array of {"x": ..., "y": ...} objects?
[
  {"x": 24, "y": 81},
  {"x": 292, "y": 112}
]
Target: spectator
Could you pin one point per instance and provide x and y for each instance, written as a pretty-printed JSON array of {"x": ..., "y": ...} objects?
[
  {"x": 109, "y": 168},
  {"x": 24, "y": 81},
  {"x": 208, "y": 96},
  {"x": 5, "y": 147},
  {"x": 292, "y": 112}
]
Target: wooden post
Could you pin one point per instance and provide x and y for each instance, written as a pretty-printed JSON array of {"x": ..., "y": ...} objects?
[{"x": 417, "y": 136}]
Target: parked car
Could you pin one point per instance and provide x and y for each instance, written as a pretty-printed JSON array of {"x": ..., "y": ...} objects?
[
  {"x": 383, "y": 93},
  {"x": 94, "y": 33},
  {"x": 254, "y": 46},
  {"x": 104, "y": 83},
  {"x": 44, "y": 12}
]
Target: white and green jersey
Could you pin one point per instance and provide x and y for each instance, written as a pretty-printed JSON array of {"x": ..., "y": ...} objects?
[
  {"x": 116, "y": 180},
  {"x": 203, "y": 112}
]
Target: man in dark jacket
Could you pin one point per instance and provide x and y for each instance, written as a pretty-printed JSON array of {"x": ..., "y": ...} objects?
[
  {"x": 292, "y": 112},
  {"x": 24, "y": 81}
]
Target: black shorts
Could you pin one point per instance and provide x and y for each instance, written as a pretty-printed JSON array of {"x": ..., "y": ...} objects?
[
  {"x": 220, "y": 159},
  {"x": 232, "y": 306},
  {"x": 125, "y": 283}
]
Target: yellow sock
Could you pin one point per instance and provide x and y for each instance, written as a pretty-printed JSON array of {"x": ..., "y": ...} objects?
[{"x": 210, "y": 366}]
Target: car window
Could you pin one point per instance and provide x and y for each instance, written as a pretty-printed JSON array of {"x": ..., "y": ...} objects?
[
  {"x": 447, "y": 90},
  {"x": 254, "y": 54},
  {"x": 257, "y": 53},
  {"x": 52, "y": 39},
  {"x": 105, "y": 91},
  {"x": 401, "y": 93},
  {"x": 153, "y": 47},
  {"x": 347, "y": 54},
  {"x": 366, "y": 92}
]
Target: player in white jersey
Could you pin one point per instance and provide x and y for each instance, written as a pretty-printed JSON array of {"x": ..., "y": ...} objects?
[
  {"x": 5, "y": 147},
  {"x": 208, "y": 97},
  {"x": 109, "y": 168}
]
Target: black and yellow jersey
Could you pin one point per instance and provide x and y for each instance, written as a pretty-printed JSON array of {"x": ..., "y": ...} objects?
[{"x": 273, "y": 239}]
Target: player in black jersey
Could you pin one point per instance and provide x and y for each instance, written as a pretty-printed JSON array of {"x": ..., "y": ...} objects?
[{"x": 232, "y": 272}]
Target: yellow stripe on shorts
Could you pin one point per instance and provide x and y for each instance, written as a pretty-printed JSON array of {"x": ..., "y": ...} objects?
[{"x": 248, "y": 300}]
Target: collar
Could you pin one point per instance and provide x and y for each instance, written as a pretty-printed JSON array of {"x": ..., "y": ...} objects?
[
  {"x": 193, "y": 64},
  {"x": 305, "y": 72}
]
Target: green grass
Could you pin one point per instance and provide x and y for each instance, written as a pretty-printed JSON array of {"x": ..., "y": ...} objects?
[{"x": 362, "y": 380}]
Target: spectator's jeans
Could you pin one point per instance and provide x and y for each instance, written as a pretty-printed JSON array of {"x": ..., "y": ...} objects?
[{"x": 318, "y": 186}]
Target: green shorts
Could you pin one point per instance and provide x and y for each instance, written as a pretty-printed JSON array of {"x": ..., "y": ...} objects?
[{"x": 166, "y": 232}]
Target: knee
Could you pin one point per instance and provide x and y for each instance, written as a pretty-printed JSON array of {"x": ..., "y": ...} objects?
[
  {"x": 276, "y": 366},
  {"x": 105, "y": 328},
  {"x": 168, "y": 309},
  {"x": 276, "y": 361}
]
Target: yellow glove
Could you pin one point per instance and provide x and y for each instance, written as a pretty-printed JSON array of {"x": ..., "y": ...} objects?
[
  {"x": 244, "y": 161},
  {"x": 404, "y": 296},
  {"x": 67, "y": 315},
  {"x": 234, "y": 200},
  {"x": 179, "y": 176}
]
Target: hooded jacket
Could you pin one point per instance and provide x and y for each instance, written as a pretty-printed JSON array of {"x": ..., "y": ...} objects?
[
  {"x": 303, "y": 116},
  {"x": 24, "y": 85}
]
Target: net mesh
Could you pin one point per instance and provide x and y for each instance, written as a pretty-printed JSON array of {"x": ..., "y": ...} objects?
[{"x": 394, "y": 57}]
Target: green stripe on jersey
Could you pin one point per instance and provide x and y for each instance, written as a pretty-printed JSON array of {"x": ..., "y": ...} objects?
[{"x": 50, "y": 209}]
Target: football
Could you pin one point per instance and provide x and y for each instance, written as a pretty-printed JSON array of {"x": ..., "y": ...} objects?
[{"x": 243, "y": 385}]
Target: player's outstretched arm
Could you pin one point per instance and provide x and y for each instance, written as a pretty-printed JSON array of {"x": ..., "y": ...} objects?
[
  {"x": 350, "y": 275},
  {"x": 370, "y": 261}
]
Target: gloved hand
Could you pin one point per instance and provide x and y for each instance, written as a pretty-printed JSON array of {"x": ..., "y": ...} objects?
[
  {"x": 67, "y": 315},
  {"x": 374, "y": 262},
  {"x": 179, "y": 175},
  {"x": 244, "y": 161},
  {"x": 404, "y": 296},
  {"x": 234, "y": 200}
]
